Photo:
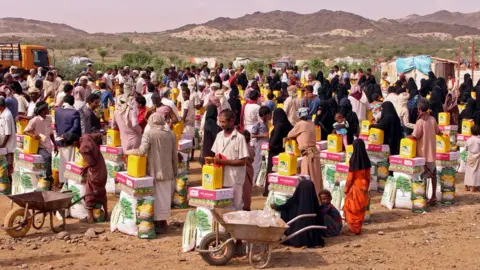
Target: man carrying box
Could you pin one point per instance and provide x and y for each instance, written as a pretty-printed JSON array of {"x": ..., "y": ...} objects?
[{"x": 231, "y": 144}]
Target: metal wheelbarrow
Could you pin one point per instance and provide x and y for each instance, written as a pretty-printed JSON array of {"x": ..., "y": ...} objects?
[
  {"x": 218, "y": 248},
  {"x": 20, "y": 219}
]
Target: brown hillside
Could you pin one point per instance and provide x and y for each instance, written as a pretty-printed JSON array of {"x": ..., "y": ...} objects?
[{"x": 446, "y": 17}]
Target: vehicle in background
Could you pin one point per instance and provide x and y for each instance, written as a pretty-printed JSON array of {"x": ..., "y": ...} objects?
[
  {"x": 283, "y": 62},
  {"x": 24, "y": 56}
]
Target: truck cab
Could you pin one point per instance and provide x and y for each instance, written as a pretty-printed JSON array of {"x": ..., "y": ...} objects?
[{"x": 24, "y": 56}]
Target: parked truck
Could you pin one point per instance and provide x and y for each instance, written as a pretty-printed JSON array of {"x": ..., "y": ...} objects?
[{"x": 24, "y": 56}]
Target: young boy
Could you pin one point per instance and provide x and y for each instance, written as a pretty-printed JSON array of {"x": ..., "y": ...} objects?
[
  {"x": 40, "y": 128},
  {"x": 106, "y": 95},
  {"x": 142, "y": 111},
  {"x": 188, "y": 116},
  {"x": 340, "y": 127},
  {"x": 247, "y": 186},
  {"x": 331, "y": 217},
  {"x": 270, "y": 103},
  {"x": 260, "y": 135}
]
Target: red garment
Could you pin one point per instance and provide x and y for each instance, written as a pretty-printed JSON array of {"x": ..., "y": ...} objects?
[
  {"x": 142, "y": 112},
  {"x": 242, "y": 113},
  {"x": 356, "y": 199},
  {"x": 96, "y": 179}
]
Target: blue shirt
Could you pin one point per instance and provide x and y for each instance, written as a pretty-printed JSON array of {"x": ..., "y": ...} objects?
[
  {"x": 105, "y": 96},
  {"x": 312, "y": 106},
  {"x": 271, "y": 105}
]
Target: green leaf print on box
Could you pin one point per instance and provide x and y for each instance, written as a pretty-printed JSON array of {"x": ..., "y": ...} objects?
[{"x": 26, "y": 181}]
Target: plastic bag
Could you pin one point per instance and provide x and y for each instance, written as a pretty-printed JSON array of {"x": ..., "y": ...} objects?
[
  {"x": 403, "y": 191},
  {"x": 126, "y": 221},
  {"x": 388, "y": 197},
  {"x": 258, "y": 217},
  {"x": 262, "y": 175},
  {"x": 189, "y": 232},
  {"x": 338, "y": 198},
  {"x": 77, "y": 210}
]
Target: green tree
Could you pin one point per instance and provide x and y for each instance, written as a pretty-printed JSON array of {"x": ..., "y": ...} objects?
[
  {"x": 317, "y": 65},
  {"x": 103, "y": 53},
  {"x": 127, "y": 209},
  {"x": 253, "y": 67}
]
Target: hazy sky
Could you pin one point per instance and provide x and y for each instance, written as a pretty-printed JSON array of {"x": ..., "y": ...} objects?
[{"x": 157, "y": 15}]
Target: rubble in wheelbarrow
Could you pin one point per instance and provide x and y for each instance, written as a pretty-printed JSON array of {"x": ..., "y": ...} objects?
[{"x": 258, "y": 217}]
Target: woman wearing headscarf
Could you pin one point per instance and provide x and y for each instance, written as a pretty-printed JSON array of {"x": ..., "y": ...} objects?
[
  {"x": 443, "y": 85},
  {"x": 436, "y": 104},
  {"x": 242, "y": 80},
  {"x": 304, "y": 133},
  {"x": 235, "y": 105},
  {"x": 353, "y": 129},
  {"x": 359, "y": 102},
  {"x": 356, "y": 188},
  {"x": 159, "y": 145},
  {"x": 325, "y": 118},
  {"x": 96, "y": 171},
  {"x": 281, "y": 128},
  {"x": 209, "y": 132},
  {"x": 304, "y": 201},
  {"x": 466, "y": 89},
  {"x": 362, "y": 80},
  {"x": 125, "y": 119},
  {"x": 424, "y": 90},
  {"x": 372, "y": 89},
  {"x": 451, "y": 106},
  {"x": 390, "y": 124},
  {"x": 467, "y": 113}
]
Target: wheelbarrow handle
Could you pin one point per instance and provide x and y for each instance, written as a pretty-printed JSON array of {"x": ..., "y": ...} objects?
[
  {"x": 313, "y": 227},
  {"x": 300, "y": 217},
  {"x": 82, "y": 198}
]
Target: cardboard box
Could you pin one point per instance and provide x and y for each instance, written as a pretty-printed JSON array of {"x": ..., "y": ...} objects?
[
  {"x": 112, "y": 153},
  {"x": 322, "y": 145},
  {"x": 125, "y": 179},
  {"x": 340, "y": 157},
  {"x": 30, "y": 158},
  {"x": 74, "y": 172},
  {"x": 265, "y": 146},
  {"x": 462, "y": 138},
  {"x": 384, "y": 148},
  {"x": 363, "y": 137},
  {"x": 291, "y": 181},
  {"x": 137, "y": 192},
  {"x": 342, "y": 168},
  {"x": 414, "y": 162},
  {"x": 451, "y": 156},
  {"x": 185, "y": 144},
  {"x": 214, "y": 195},
  {"x": 448, "y": 128}
]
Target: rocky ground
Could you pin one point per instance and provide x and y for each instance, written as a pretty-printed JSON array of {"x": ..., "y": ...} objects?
[{"x": 447, "y": 237}]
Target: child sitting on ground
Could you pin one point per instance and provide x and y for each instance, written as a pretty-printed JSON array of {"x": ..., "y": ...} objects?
[
  {"x": 340, "y": 127},
  {"x": 331, "y": 217},
  {"x": 472, "y": 178}
]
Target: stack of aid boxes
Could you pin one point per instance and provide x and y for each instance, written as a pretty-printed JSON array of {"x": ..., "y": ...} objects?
[
  {"x": 378, "y": 154},
  {"x": 30, "y": 169},
  {"x": 211, "y": 194},
  {"x": 466, "y": 132},
  {"x": 446, "y": 174},
  {"x": 288, "y": 174},
  {"x": 447, "y": 129},
  {"x": 330, "y": 158}
]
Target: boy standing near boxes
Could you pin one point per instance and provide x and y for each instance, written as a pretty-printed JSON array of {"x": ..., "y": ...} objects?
[
  {"x": 40, "y": 128},
  {"x": 260, "y": 136},
  {"x": 425, "y": 133},
  {"x": 231, "y": 144}
]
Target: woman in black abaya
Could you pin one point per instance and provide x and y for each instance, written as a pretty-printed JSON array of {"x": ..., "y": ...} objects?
[
  {"x": 303, "y": 201},
  {"x": 390, "y": 124}
]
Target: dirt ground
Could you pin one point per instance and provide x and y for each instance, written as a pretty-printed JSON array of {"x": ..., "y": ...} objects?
[{"x": 446, "y": 237}]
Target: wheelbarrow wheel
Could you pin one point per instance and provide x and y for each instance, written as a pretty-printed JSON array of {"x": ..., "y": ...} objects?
[
  {"x": 221, "y": 257},
  {"x": 15, "y": 218},
  {"x": 259, "y": 255}
]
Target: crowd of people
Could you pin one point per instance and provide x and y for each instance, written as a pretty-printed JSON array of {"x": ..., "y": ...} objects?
[{"x": 239, "y": 116}]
